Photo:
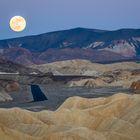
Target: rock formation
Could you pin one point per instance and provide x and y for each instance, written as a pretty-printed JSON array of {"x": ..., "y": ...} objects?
[
  {"x": 116, "y": 74},
  {"x": 87, "y": 83},
  {"x": 4, "y": 96},
  {"x": 84, "y": 67},
  {"x": 113, "y": 118},
  {"x": 13, "y": 86},
  {"x": 9, "y": 85},
  {"x": 136, "y": 86},
  {"x": 10, "y": 67}
]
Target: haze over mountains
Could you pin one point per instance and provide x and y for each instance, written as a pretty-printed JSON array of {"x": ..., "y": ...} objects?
[{"x": 79, "y": 43}]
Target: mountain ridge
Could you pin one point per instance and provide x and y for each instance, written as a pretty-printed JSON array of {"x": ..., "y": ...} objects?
[
  {"x": 71, "y": 29},
  {"x": 100, "y": 30},
  {"x": 122, "y": 44}
]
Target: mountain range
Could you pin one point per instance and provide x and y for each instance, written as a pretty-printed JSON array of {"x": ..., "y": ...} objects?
[{"x": 80, "y": 43}]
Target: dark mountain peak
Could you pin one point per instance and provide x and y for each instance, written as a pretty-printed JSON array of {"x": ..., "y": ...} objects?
[
  {"x": 52, "y": 46},
  {"x": 80, "y": 29}
]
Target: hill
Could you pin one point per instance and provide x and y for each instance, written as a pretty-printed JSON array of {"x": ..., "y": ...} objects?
[
  {"x": 84, "y": 67},
  {"x": 10, "y": 67}
]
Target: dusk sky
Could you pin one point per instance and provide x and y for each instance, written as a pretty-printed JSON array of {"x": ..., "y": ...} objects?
[{"x": 50, "y": 15}]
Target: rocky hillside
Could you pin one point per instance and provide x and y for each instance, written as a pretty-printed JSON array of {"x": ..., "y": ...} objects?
[
  {"x": 84, "y": 67},
  {"x": 99, "y": 75},
  {"x": 113, "y": 118},
  {"x": 7, "y": 66},
  {"x": 79, "y": 43}
]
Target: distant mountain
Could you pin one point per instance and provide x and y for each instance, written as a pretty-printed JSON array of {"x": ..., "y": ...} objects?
[{"x": 79, "y": 43}]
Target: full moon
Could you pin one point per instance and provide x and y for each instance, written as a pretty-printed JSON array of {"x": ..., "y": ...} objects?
[{"x": 17, "y": 23}]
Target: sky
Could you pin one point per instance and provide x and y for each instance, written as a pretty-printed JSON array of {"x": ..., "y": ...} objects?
[{"x": 51, "y": 15}]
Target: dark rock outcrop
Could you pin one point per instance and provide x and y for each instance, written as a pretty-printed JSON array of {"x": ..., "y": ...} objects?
[{"x": 136, "y": 87}]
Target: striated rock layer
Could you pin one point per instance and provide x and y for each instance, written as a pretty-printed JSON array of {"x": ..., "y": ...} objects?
[
  {"x": 113, "y": 118},
  {"x": 84, "y": 67}
]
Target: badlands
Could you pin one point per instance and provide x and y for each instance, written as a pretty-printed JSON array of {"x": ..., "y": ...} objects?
[{"x": 113, "y": 118}]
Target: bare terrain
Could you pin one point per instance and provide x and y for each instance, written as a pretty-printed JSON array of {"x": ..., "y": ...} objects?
[
  {"x": 115, "y": 117},
  {"x": 86, "y": 101}
]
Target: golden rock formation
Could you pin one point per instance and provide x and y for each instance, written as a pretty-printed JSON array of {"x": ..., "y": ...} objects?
[
  {"x": 112, "y": 118},
  {"x": 87, "y": 83},
  {"x": 84, "y": 67},
  {"x": 13, "y": 86}
]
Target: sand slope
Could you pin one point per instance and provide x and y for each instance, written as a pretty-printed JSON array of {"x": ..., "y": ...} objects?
[{"x": 113, "y": 118}]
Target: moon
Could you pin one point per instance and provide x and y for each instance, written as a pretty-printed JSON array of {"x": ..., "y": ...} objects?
[{"x": 17, "y": 23}]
